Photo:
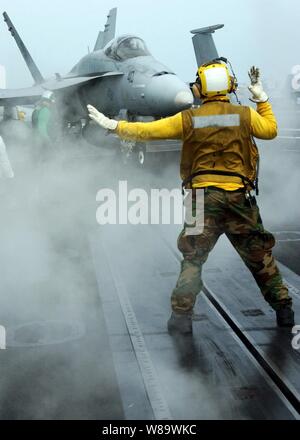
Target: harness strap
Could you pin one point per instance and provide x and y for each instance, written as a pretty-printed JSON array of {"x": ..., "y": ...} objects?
[{"x": 244, "y": 179}]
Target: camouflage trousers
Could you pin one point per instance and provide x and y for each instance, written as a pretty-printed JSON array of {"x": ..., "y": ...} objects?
[{"x": 229, "y": 213}]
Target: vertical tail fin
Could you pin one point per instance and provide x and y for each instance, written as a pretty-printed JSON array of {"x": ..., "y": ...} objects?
[
  {"x": 36, "y": 74},
  {"x": 99, "y": 43},
  {"x": 204, "y": 45},
  {"x": 110, "y": 30}
]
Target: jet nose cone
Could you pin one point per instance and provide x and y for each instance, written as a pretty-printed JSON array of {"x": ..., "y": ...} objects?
[
  {"x": 167, "y": 95},
  {"x": 184, "y": 99}
]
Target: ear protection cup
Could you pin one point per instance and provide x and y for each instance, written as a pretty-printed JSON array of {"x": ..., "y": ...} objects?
[{"x": 196, "y": 89}]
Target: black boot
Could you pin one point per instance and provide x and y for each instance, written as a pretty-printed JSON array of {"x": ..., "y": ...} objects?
[
  {"x": 180, "y": 324},
  {"x": 285, "y": 317}
]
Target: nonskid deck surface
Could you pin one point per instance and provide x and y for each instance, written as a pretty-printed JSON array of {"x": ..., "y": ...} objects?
[
  {"x": 86, "y": 308},
  {"x": 57, "y": 363},
  {"x": 212, "y": 375}
]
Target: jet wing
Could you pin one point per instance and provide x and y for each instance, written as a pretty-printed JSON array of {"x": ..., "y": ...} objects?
[
  {"x": 12, "y": 97},
  {"x": 31, "y": 95},
  {"x": 63, "y": 83}
]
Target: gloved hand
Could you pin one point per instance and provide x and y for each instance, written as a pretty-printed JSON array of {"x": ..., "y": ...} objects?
[
  {"x": 101, "y": 119},
  {"x": 256, "y": 88}
]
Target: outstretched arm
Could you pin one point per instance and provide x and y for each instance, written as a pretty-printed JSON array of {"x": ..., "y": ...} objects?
[{"x": 167, "y": 128}]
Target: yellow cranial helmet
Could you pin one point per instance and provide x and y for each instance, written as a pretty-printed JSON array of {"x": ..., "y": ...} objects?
[{"x": 214, "y": 79}]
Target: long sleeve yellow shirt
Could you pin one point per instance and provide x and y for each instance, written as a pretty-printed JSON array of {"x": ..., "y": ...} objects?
[{"x": 263, "y": 126}]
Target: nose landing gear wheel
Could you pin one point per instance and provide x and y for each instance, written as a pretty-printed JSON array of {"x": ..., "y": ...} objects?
[{"x": 141, "y": 157}]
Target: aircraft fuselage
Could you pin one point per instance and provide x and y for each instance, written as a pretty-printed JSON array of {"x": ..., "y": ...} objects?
[{"x": 146, "y": 88}]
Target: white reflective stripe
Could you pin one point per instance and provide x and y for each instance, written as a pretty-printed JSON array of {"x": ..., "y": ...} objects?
[{"x": 217, "y": 121}]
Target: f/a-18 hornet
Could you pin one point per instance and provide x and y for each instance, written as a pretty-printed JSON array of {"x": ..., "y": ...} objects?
[{"x": 119, "y": 75}]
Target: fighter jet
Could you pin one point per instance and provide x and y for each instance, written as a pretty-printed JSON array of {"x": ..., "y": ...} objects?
[{"x": 119, "y": 75}]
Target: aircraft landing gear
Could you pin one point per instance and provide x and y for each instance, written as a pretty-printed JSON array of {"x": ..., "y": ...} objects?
[
  {"x": 141, "y": 156},
  {"x": 127, "y": 148},
  {"x": 134, "y": 153}
]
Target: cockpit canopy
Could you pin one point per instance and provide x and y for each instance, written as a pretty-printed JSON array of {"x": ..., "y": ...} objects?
[{"x": 125, "y": 47}]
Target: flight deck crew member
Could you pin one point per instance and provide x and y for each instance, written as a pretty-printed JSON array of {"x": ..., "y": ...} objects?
[
  {"x": 219, "y": 155},
  {"x": 46, "y": 126},
  {"x": 45, "y": 119}
]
